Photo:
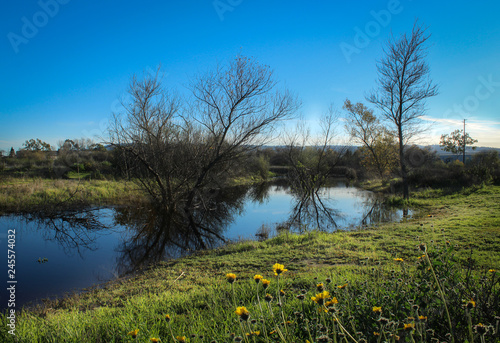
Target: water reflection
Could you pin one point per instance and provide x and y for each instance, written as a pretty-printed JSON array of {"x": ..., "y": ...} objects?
[
  {"x": 89, "y": 246},
  {"x": 73, "y": 230},
  {"x": 158, "y": 235}
]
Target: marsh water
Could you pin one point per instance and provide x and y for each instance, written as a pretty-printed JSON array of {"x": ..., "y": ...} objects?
[{"x": 61, "y": 252}]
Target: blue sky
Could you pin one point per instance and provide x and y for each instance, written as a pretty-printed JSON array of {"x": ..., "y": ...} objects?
[{"x": 65, "y": 63}]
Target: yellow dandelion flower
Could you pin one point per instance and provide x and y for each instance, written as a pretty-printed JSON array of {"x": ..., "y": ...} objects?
[
  {"x": 231, "y": 277},
  {"x": 278, "y": 269},
  {"x": 257, "y": 278},
  {"x": 342, "y": 286},
  {"x": 181, "y": 338},
  {"x": 319, "y": 287},
  {"x": 242, "y": 312},
  {"x": 265, "y": 283},
  {"x": 377, "y": 309},
  {"x": 321, "y": 297},
  {"x": 155, "y": 340},
  {"x": 409, "y": 326},
  {"x": 492, "y": 270},
  {"x": 470, "y": 304},
  {"x": 422, "y": 318},
  {"x": 332, "y": 302},
  {"x": 133, "y": 333},
  {"x": 167, "y": 318},
  {"x": 282, "y": 292},
  {"x": 399, "y": 259},
  {"x": 376, "y": 333}
]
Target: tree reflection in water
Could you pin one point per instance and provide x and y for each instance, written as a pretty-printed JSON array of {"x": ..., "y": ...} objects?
[
  {"x": 159, "y": 235},
  {"x": 154, "y": 234},
  {"x": 73, "y": 230}
]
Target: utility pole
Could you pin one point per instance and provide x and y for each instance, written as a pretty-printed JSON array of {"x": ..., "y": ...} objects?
[{"x": 463, "y": 160}]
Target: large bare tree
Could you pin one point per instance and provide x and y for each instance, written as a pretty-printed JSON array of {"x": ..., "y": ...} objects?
[
  {"x": 181, "y": 150},
  {"x": 403, "y": 87}
]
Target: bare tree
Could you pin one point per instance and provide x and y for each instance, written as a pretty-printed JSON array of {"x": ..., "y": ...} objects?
[
  {"x": 237, "y": 108},
  {"x": 180, "y": 153},
  {"x": 403, "y": 87},
  {"x": 312, "y": 161}
]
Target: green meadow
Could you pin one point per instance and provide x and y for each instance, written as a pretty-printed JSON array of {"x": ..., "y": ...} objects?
[{"x": 432, "y": 278}]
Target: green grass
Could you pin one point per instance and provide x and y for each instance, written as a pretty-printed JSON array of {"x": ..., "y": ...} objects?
[
  {"x": 462, "y": 236},
  {"x": 29, "y": 194}
]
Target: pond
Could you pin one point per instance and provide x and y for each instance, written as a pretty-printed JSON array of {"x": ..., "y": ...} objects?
[{"x": 58, "y": 253}]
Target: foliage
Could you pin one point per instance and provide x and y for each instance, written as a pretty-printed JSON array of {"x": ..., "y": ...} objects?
[
  {"x": 36, "y": 145},
  {"x": 456, "y": 142},
  {"x": 378, "y": 147}
]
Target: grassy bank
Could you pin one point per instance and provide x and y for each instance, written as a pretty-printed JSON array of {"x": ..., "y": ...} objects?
[
  {"x": 30, "y": 194},
  {"x": 409, "y": 282}
]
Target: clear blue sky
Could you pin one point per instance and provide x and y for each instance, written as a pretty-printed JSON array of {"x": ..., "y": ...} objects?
[{"x": 64, "y": 63}]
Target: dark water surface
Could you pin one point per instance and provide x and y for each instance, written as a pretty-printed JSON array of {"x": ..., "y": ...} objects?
[{"x": 58, "y": 253}]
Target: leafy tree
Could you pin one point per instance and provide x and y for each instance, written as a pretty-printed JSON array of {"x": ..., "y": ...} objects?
[
  {"x": 456, "y": 142},
  {"x": 403, "y": 87},
  {"x": 377, "y": 143},
  {"x": 36, "y": 145},
  {"x": 12, "y": 153}
]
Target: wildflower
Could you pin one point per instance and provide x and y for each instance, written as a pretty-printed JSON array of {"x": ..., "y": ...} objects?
[
  {"x": 231, "y": 277},
  {"x": 279, "y": 268},
  {"x": 377, "y": 309},
  {"x": 422, "y": 318},
  {"x": 243, "y": 313},
  {"x": 409, "y": 326},
  {"x": 342, "y": 286},
  {"x": 319, "y": 287},
  {"x": 156, "y": 340},
  {"x": 321, "y": 297},
  {"x": 253, "y": 333},
  {"x": 399, "y": 259},
  {"x": 181, "y": 338},
  {"x": 282, "y": 292},
  {"x": 167, "y": 318},
  {"x": 265, "y": 283},
  {"x": 332, "y": 302},
  {"x": 480, "y": 329},
  {"x": 492, "y": 270},
  {"x": 268, "y": 298},
  {"x": 257, "y": 278},
  {"x": 470, "y": 304},
  {"x": 133, "y": 333},
  {"x": 376, "y": 333}
]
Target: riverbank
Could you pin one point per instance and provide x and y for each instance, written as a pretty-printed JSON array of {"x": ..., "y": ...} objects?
[
  {"x": 31, "y": 194},
  {"x": 386, "y": 267}
]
